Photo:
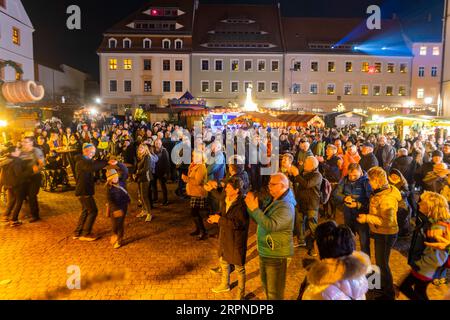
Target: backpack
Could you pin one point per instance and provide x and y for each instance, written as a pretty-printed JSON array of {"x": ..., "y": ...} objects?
[{"x": 325, "y": 191}]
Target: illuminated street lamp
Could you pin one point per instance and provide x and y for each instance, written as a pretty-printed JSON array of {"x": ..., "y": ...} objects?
[
  {"x": 428, "y": 100},
  {"x": 98, "y": 100},
  {"x": 93, "y": 111}
]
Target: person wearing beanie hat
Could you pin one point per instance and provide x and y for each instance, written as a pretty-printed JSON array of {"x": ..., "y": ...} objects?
[
  {"x": 368, "y": 158},
  {"x": 117, "y": 200}
]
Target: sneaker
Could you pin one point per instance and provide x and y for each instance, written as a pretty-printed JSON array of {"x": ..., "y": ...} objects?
[
  {"x": 202, "y": 236},
  {"x": 113, "y": 239},
  {"x": 117, "y": 245},
  {"x": 142, "y": 214},
  {"x": 149, "y": 218},
  {"x": 88, "y": 238},
  {"x": 15, "y": 223},
  {"x": 221, "y": 289},
  {"x": 298, "y": 243},
  {"x": 32, "y": 220}
]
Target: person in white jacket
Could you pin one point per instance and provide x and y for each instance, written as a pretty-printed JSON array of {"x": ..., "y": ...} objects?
[{"x": 341, "y": 272}]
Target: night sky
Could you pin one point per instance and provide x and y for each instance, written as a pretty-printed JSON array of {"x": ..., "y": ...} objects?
[{"x": 55, "y": 44}]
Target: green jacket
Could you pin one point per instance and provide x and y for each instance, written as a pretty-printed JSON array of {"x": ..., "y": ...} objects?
[{"x": 275, "y": 227}]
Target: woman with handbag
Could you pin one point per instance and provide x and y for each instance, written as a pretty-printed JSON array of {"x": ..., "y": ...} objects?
[{"x": 118, "y": 200}]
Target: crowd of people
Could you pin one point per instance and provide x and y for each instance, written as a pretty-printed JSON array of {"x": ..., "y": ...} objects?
[{"x": 385, "y": 187}]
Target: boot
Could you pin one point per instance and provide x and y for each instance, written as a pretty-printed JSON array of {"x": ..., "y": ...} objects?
[
  {"x": 241, "y": 276},
  {"x": 225, "y": 283}
]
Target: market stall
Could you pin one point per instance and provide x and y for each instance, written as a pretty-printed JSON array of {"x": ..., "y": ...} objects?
[{"x": 302, "y": 120}]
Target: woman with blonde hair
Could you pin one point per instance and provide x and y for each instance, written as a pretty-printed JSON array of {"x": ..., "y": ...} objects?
[
  {"x": 382, "y": 220},
  {"x": 143, "y": 177},
  {"x": 426, "y": 260}
]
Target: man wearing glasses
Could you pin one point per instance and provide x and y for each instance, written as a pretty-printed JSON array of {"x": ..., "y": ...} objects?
[{"x": 275, "y": 234}]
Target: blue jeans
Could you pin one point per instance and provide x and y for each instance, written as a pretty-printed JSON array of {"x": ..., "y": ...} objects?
[
  {"x": 273, "y": 276},
  {"x": 307, "y": 222},
  {"x": 383, "y": 247},
  {"x": 363, "y": 231}
]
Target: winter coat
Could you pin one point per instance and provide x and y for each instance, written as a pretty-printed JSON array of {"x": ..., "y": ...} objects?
[
  {"x": 348, "y": 159},
  {"x": 387, "y": 156},
  {"x": 343, "y": 278},
  {"x": 330, "y": 169},
  {"x": 382, "y": 217},
  {"x": 116, "y": 197},
  {"x": 196, "y": 181},
  {"x": 433, "y": 182},
  {"x": 301, "y": 156},
  {"x": 12, "y": 172},
  {"x": 307, "y": 190},
  {"x": 360, "y": 190},
  {"x": 233, "y": 230},
  {"x": 143, "y": 170},
  {"x": 216, "y": 170},
  {"x": 163, "y": 164},
  {"x": 368, "y": 161},
  {"x": 275, "y": 227},
  {"x": 84, "y": 171},
  {"x": 404, "y": 164}
]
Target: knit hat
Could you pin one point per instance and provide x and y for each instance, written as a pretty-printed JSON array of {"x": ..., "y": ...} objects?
[
  {"x": 437, "y": 153},
  {"x": 87, "y": 145},
  {"x": 368, "y": 144},
  {"x": 111, "y": 174}
]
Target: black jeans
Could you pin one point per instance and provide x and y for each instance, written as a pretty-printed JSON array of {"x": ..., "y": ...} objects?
[
  {"x": 198, "y": 220},
  {"x": 162, "y": 183},
  {"x": 118, "y": 226},
  {"x": 31, "y": 190},
  {"x": 273, "y": 276},
  {"x": 145, "y": 196},
  {"x": 363, "y": 231},
  {"x": 383, "y": 246},
  {"x": 414, "y": 288},
  {"x": 306, "y": 223},
  {"x": 88, "y": 215},
  {"x": 14, "y": 203}
]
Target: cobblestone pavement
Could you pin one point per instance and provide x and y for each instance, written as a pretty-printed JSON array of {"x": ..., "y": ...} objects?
[{"x": 159, "y": 260}]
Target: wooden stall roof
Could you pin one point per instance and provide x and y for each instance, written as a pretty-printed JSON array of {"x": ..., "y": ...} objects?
[{"x": 300, "y": 119}]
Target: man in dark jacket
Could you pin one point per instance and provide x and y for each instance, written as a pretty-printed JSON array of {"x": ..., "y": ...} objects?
[
  {"x": 303, "y": 153},
  {"x": 404, "y": 164},
  {"x": 446, "y": 151},
  {"x": 85, "y": 169},
  {"x": 385, "y": 153},
  {"x": 308, "y": 198},
  {"x": 354, "y": 193},
  {"x": 162, "y": 172},
  {"x": 368, "y": 159}
]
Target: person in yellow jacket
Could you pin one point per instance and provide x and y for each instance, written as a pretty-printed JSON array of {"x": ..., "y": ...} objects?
[
  {"x": 382, "y": 220},
  {"x": 195, "y": 181}
]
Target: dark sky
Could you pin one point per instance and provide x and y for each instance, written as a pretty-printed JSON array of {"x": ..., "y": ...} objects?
[{"x": 55, "y": 44}]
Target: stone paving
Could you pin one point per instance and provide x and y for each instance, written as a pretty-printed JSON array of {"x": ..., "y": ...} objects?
[{"x": 158, "y": 261}]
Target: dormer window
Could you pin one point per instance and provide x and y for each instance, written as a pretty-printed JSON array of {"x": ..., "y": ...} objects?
[
  {"x": 112, "y": 43},
  {"x": 166, "y": 44},
  {"x": 127, "y": 43},
  {"x": 147, "y": 43},
  {"x": 178, "y": 44}
]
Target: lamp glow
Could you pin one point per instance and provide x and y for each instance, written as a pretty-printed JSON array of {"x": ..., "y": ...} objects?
[{"x": 428, "y": 100}]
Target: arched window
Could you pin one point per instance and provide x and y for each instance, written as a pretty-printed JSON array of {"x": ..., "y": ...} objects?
[
  {"x": 166, "y": 44},
  {"x": 178, "y": 44},
  {"x": 127, "y": 43},
  {"x": 147, "y": 43},
  {"x": 112, "y": 43}
]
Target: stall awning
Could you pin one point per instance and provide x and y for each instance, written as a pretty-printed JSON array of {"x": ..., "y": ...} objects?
[
  {"x": 261, "y": 118},
  {"x": 302, "y": 120}
]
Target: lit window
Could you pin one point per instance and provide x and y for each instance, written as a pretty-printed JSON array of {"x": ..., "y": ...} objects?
[
  {"x": 127, "y": 44},
  {"x": 434, "y": 71},
  {"x": 262, "y": 65},
  {"x": 234, "y": 86},
  {"x": 364, "y": 90},
  {"x": 112, "y": 43},
  {"x": 261, "y": 87},
  {"x": 218, "y": 86},
  {"x": 348, "y": 90},
  {"x": 376, "y": 90},
  {"x": 330, "y": 89},
  {"x": 365, "y": 67},
  {"x": 166, "y": 44},
  {"x": 331, "y": 66},
  {"x": 423, "y": 51},
  {"x": 127, "y": 86},
  {"x": 377, "y": 67},
  {"x": 147, "y": 44},
  {"x": 179, "y": 65},
  {"x": 147, "y": 64},
  {"x": 389, "y": 91},
  {"x": 127, "y": 64},
  {"x": 248, "y": 65},
  {"x": 246, "y": 85},
  {"x": 421, "y": 72},
  {"x": 18, "y": 76},
  {"x": 205, "y": 86},
  {"x": 314, "y": 66},
  {"x": 402, "y": 91},
  {"x": 314, "y": 88},
  {"x": 112, "y": 64},
  {"x": 348, "y": 67},
  {"x": 178, "y": 86},
  {"x": 235, "y": 65},
  {"x": 166, "y": 86},
  {"x": 275, "y": 65},
  {"x": 147, "y": 86},
  {"x": 205, "y": 65},
  {"x": 391, "y": 68},
  {"x": 403, "y": 68},
  {"x": 274, "y": 87},
  {"x": 16, "y": 36},
  {"x": 435, "y": 51},
  {"x": 420, "y": 93},
  {"x": 297, "y": 66}
]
